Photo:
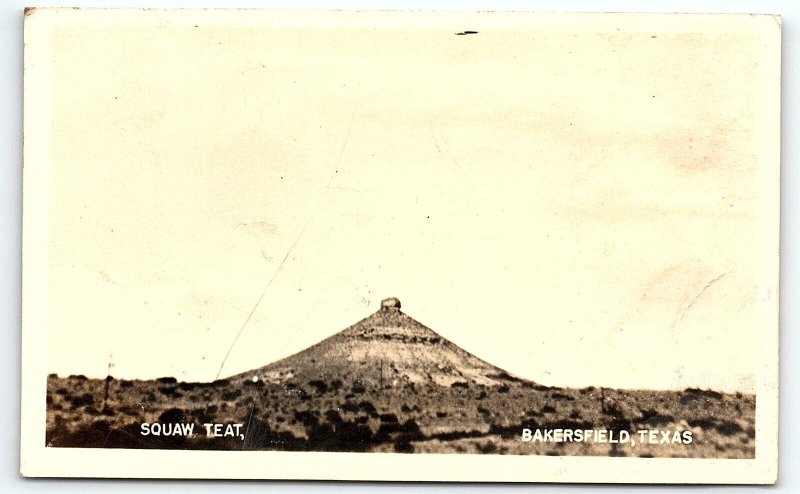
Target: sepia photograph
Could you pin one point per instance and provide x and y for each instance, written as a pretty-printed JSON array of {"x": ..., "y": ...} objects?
[{"x": 401, "y": 245}]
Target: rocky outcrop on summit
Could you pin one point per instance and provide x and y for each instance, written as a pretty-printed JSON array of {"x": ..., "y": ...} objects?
[
  {"x": 390, "y": 303},
  {"x": 386, "y": 348}
]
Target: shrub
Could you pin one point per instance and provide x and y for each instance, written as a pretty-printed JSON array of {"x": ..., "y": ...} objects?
[
  {"x": 306, "y": 417},
  {"x": 403, "y": 444},
  {"x": 487, "y": 448},
  {"x": 704, "y": 423},
  {"x": 357, "y": 436},
  {"x": 411, "y": 428},
  {"x": 652, "y": 417},
  {"x": 171, "y": 416},
  {"x": 387, "y": 428},
  {"x": 729, "y": 428},
  {"x": 171, "y": 392},
  {"x": 333, "y": 417},
  {"x": 707, "y": 393},
  {"x": 232, "y": 394},
  {"x": 319, "y": 386},
  {"x": 81, "y": 400},
  {"x": 349, "y": 406},
  {"x": 367, "y": 407}
]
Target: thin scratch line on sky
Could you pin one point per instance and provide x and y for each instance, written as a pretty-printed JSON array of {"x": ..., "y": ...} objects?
[{"x": 292, "y": 247}]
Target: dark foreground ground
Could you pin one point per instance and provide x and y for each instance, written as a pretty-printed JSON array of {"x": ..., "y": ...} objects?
[{"x": 353, "y": 416}]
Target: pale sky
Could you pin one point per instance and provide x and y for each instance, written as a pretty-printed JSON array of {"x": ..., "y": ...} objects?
[{"x": 577, "y": 208}]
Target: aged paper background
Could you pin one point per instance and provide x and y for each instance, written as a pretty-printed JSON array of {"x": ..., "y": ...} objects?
[{"x": 545, "y": 188}]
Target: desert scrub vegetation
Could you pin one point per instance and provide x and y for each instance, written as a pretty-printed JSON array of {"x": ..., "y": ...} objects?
[{"x": 331, "y": 414}]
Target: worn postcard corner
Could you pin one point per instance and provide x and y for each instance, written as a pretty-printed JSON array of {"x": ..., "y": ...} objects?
[{"x": 429, "y": 246}]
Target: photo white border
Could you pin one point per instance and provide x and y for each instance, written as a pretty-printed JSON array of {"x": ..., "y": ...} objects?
[{"x": 37, "y": 460}]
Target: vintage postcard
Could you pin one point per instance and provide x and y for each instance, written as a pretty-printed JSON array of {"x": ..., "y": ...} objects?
[{"x": 448, "y": 246}]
